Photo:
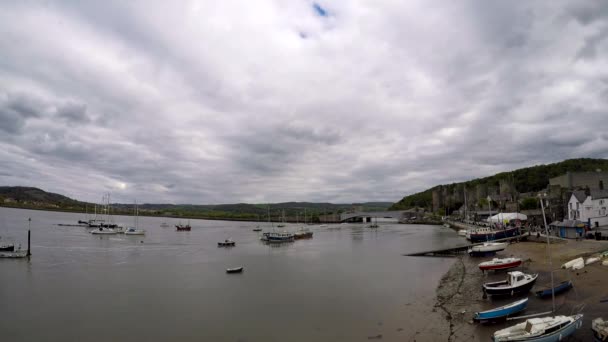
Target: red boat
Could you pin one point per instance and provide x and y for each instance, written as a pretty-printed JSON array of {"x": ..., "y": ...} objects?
[
  {"x": 183, "y": 227},
  {"x": 500, "y": 264}
]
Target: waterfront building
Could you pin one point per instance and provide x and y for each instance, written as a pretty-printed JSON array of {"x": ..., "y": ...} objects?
[{"x": 589, "y": 208}]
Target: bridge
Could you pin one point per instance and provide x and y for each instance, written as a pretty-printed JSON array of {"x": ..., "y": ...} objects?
[{"x": 366, "y": 216}]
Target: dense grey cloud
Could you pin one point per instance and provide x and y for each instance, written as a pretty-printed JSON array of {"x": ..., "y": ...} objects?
[{"x": 207, "y": 102}]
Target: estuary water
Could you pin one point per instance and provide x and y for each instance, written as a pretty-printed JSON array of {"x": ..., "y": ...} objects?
[{"x": 347, "y": 283}]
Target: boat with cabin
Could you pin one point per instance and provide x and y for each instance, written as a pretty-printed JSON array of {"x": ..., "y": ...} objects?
[
  {"x": 183, "y": 227},
  {"x": 278, "y": 237},
  {"x": 226, "y": 243},
  {"x": 517, "y": 282},
  {"x": 488, "y": 234},
  {"x": 545, "y": 329},
  {"x": 502, "y": 312},
  {"x": 135, "y": 230},
  {"x": 559, "y": 289},
  {"x": 303, "y": 233},
  {"x": 500, "y": 264}
]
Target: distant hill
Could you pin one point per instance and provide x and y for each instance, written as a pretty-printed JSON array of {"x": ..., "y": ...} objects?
[
  {"x": 34, "y": 198},
  {"x": 524, "y": 180}
]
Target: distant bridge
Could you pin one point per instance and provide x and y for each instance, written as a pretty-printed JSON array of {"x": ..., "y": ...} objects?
[{"x": 366, "y": 216}]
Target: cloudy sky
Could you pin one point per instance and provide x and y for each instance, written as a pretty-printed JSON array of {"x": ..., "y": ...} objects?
[{"x": 268, "y": 100}]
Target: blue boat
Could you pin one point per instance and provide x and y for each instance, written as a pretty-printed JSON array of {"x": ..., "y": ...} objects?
[
  {"x": 545, "y": 329},
  {"x": 501, "y": 312},
  {"x": 561, "y": 288}
]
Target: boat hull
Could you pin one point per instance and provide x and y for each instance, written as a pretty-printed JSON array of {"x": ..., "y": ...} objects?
[
  {"x": 493, "y": 235},
  {"x": 225, "y": 244},
  {"x": 235, "y": 270},
  {"x": 556, "y": 336},
  {"x": 559, "y": 289},
  {"x": 508, "y": 291},
  {"x": 504, "y": 266},
  {"x": 501, "y": 313},
  {"x": 7, "y": 248}
]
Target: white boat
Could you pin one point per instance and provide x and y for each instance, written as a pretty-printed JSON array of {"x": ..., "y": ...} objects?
[
  {"x": 600, "y": 329},
  {"x": 462, "y": 232},
  {"x": 103, "y": 231},
  {"x": 488, "y": 247},
  {"x": 574, "y": 262},
  {"x": 135, "y": 230},
  {"x": 545, "y": 329},
  {"x": 605, "y": 263},
  {"x": 590, "y": 261}
]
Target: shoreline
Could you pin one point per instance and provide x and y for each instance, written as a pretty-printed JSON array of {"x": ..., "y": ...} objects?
[{"x": 459, "y": 294}]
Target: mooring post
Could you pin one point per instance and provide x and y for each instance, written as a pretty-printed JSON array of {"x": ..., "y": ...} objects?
[{"x": 29, "y": 235}]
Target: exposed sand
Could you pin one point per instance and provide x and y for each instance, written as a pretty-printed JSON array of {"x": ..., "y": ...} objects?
[{"x": 459, "y": 293}]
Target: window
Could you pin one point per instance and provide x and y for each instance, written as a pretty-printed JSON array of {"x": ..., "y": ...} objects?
[{"x": 601, "y": 185}]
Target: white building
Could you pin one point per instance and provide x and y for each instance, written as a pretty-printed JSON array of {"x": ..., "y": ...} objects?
[{"x": 589, "y": 209}]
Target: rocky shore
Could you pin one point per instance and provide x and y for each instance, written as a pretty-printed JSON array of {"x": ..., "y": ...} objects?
[{"x": 459, "y": 293}]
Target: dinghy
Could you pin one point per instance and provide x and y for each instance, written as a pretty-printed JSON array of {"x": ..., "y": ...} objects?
[
  {"x": 560, "y": 288},
  {"x": 234, "y": 270},
  {"x": 226, "y": 243},
  {"x": 590, "y": 261},
  {"x": 600, "y": 329},
  {"x": 500, "y": 264},
  {"x": 516, "y": 282},
  {"x": 572, "y": 263},
  {"x": 545, "y": 329},
  {"x": 501, "y": 312}
]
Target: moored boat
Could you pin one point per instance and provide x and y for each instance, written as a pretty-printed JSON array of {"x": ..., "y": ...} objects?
[
  {"x": 462, "y": 232},
  {"x": 235, "y": 270},
  {"x": 135, "y": 231},
  {"x": 257, "y": 229},
  {"x": 545, "y": 329},
  {"x": 277, "y": 237},
  {"x": 501, "y": 312},
  {"x": 560, "y": 288},
  {"x": 183, "y": 227},
  {"x": 303, "y": 234},
  {"x": 487, "y": 248},
  {"x": 516, "y": 282},
  {"x": 488, "y": 234},
  {"x": 500, "y": 264},
  {"x": 600, "y": 329},
  {"x": 103, "y": 231},
  {"x": 226, "y": 243},
  {"x": 7, "y": 247}
]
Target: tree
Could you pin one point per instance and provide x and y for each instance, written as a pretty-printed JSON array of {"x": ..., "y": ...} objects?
[{"x": 529, "y": 203}]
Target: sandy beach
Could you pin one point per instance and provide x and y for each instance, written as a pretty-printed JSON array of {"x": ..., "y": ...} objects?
[{"x": 459, "y": 293}]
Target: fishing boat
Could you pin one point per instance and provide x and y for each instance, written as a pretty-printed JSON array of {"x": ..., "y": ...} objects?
[
  {"x": 600, "y": 329},
  {"x": 516, "y": 282},
  {"x": 560, "y": 288},
  {"x": 500, "y": 264},
  {"x": 226, "y": 243},
  {"x": 278, "y": 237},
  {"x": 487, "y": 248},
  {"x": 545, "y": 329},
  {"x": 489, "y": 234},
  {"x": 501, "y": 312},
  {"x": 235, "y": 270}
]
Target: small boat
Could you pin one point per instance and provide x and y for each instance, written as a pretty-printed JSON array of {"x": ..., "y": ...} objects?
[
  {"x": 516, "y": 282},
  {"x": 257, "y": 229},
  {"x": 235, "y": 270},
  {"x": 135, "y": 231},
  {"x": 303, "y": 234},
  {"x": 605, "y": 263},
  {"x": 590, "y": 261},
  {"x": 572, "y": 263},
  {"x": 183, "y": 227},
  {"x": 544, "y": 329},
  {"x": 374, "y": 225},
  {"x": 7, "y": 247},
  {"x": 487, "y": 248},
  {"x": 103, "y": 231},
  {"x": 447, "y": 225},
  {"x": 226, "y": 243},
  {"x": 462, "y": 232},
  {"x": 560, "y": 288},
  {"x": 501, "y": 312},
  {"x": 600, "y": 329},
  {"x": 500, "y": 264}
]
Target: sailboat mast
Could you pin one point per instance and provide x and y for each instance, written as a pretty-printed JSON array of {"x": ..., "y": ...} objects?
[{"x": 542, "y": 206}]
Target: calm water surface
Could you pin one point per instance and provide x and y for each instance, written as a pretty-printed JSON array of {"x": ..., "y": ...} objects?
[{"x": 348, "y": 283}]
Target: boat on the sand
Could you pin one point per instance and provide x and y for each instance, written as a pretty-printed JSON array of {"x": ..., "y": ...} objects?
[
  {"x": 600, "y": 329},
  {"x": 560, "y": 288},
  {"x": 487, "y": 248},
  {"x": 573, "y": 263},
  {"x": 516, "y": 282},
  {"x": 501, "y": 312},
  {"x": 545, "y": 329},
  {"x": 500, "y": 264}
]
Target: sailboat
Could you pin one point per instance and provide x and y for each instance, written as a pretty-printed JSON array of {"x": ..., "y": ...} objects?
[
  {"x": 543, "y": 329},
  {"x": 135, "y": 230},
  {"x": 282, "y": 224},
  {"x": 275, "y": 236},
  {"x": 105, "y": 229}
]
